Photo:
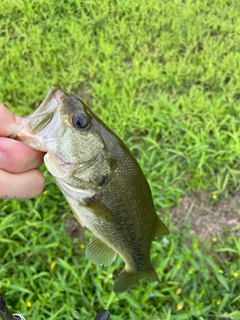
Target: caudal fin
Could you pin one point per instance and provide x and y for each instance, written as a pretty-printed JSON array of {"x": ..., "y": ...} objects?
[{"x": 127, "y": 279}]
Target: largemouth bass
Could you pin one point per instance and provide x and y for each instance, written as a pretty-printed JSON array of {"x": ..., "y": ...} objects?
[{"x": 101, "y": 180}]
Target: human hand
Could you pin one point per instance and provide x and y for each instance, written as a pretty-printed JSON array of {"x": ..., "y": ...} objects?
[{"x": 19, "y": 178}]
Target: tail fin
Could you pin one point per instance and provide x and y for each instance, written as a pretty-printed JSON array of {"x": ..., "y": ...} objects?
[{"x": 127, "y": 279}]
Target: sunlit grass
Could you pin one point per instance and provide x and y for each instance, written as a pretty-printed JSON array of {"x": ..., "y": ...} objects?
[{"x": 164, "y": 75}]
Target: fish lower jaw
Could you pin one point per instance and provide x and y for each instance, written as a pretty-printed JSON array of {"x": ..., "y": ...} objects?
[
  {"x": 73, "y": 192},
  {"x": 59, "y": 163}
]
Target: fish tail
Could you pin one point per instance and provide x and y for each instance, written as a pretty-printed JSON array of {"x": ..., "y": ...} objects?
[{"x": 127, "y": 279}]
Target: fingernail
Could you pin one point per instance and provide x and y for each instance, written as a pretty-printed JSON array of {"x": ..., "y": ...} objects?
[{"x": 18, "y": 120}]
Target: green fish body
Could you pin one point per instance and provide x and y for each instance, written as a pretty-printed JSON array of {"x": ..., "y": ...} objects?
[{"x": 101, "y": 180}]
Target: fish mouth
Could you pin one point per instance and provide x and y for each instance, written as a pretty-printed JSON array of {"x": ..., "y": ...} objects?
[{"x": 42, "y": 125}]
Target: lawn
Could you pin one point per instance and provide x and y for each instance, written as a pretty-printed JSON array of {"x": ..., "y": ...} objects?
[{"x": 164, "y": 75}]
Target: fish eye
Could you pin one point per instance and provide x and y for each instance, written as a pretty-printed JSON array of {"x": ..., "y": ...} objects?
[{"x": 80, "y": 121}]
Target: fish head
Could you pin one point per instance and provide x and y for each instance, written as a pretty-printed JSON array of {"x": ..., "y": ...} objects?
[{"x": 73, "y": 139}]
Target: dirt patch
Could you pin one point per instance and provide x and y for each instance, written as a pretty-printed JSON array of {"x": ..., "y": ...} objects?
[
  {"x": 73, "y": 228},
  {"x": 208, "y": 218}
]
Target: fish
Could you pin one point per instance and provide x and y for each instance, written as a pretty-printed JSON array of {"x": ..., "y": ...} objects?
[{"x": 101, "y": 181}]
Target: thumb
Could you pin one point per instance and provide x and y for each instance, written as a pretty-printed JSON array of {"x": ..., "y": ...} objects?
[{"x": 9, "y": 123}]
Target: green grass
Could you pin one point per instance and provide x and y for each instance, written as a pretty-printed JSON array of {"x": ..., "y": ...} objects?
[{"x": 164, "y": 75}]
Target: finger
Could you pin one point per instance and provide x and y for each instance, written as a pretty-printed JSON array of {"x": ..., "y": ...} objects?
[
  {"x": 24, "y": 185},
  {"x": 16, "y": 157},
  {"x": 9, "y": 123}
]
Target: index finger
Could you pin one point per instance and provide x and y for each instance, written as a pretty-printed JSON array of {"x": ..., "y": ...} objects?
[{"x": 9, "y": 123}]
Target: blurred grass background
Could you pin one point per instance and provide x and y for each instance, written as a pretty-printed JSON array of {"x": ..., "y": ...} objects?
[{"x": 164, "y": 75}]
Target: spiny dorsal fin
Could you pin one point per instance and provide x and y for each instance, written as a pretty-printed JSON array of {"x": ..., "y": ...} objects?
[
  {"x": 161, "y": 229},
  {"x": 99, "y": 253}
]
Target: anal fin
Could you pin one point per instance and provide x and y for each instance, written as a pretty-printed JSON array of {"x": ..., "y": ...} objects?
[{"x": 99, "y": 253}]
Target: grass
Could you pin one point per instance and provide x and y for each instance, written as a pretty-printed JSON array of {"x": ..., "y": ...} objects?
[{"x": 165, "y": 77}]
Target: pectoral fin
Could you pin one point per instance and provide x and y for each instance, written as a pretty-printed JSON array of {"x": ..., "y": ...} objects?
[
  {"x": 161, "y": 229},
  {"x": 99, "y": 253},
  {"x": 98, "y": 208}
]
